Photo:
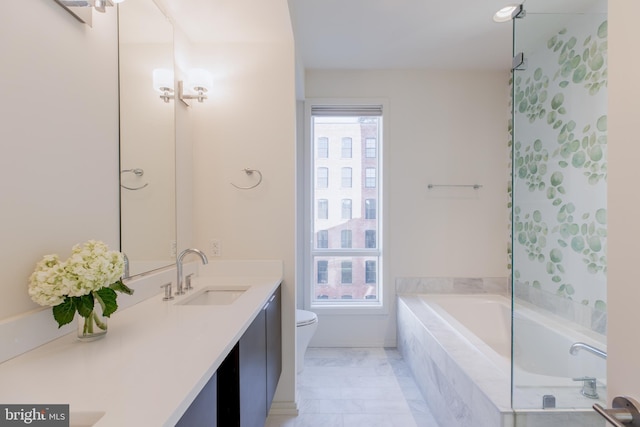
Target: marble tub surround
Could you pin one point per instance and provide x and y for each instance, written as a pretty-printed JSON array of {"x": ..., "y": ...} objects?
[
  {"x": 457, "y": 396},
  {"x": 584, "y": 316},
  {"x": 564, "y": 418},
  {"x": 453, "y": 285},
  {"x": 467, "y": 381},
  {"x": 153, "y": 362}
]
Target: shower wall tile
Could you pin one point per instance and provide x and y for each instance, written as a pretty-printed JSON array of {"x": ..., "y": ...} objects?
[
  {"x": 452, "y": 285},
  {"x": 559, "y": 142},
  {"x": 582, "y": 315}
]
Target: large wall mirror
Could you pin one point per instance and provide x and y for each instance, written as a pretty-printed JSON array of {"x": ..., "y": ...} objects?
[{"x": 147, "y": 137}]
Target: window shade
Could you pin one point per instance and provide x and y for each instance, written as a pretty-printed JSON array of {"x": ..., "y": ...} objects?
[{"x": 346, "y": 110}]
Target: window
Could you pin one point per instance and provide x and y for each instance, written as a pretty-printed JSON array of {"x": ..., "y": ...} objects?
[
  {"x": 346, "y": 208},
  {"x": 370, "y": 148},
  {"x": 370, "y": 271},
  {"x": 370, "y": 178},
  {"x": 323, "y": 239},
  {"x": 346, "y": 177},
  {"x": 323, "y": 177},
  {"x": 345, "y": 239},
  {"x": 346, "y": 148},
  {"x": 344, "y": 253},
  {"x": 323, "y": 148},
  {"x": 323, "y": 209},
  {"x": 370, "y": 239},
  {"x": 346, "y": 275},
  {"x": 323, "y": 272},
  {"x": 370, "y": 209}
]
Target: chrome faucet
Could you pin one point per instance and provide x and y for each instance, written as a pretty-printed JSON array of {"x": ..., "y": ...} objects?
[
  {"x": 575, "y": 347},
  {"x": 203, "y": 257},
  {"x": 589, "y": 387}
]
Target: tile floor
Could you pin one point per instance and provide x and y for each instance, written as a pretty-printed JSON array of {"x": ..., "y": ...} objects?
[{"x": 356, "y": 387}]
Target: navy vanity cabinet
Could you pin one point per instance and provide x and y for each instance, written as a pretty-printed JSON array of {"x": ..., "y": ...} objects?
[
  {"x": 202, "y": 411},
  {"x": 247, "y": 378},
  {"x": 274, "y": 344}
]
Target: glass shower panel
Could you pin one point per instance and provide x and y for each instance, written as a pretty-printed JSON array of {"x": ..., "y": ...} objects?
[{"x": 559, "y": 210}]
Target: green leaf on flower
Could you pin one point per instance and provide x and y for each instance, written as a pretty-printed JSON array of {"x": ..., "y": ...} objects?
[
  {"x": 84, "y": 304},
  {"x": 64, "y": 312},
  {"x": 121, "y": 287},
  {"x": 107, "y": 298}
]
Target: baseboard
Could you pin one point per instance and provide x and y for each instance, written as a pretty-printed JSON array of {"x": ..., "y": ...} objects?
[{"x": 284, "y": 408}]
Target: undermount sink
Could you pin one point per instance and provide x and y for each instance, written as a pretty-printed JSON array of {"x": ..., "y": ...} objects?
[{"x": 214, "y": 295}]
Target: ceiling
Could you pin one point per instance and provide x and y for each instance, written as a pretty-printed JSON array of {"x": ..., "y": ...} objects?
[
  {"x": 233, "y": 21},
  {"x": 384, "y": 34},
  {"x": 441, "y": 34},
  {"x": 361, "y": 34}
]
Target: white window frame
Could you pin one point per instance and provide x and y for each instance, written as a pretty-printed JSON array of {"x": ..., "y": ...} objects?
[
  {"x": 370, "y": 174},
  {"x": 346, "y": 177},
  {"x": 346, "y": 147},
  {"x": 324, "y": 149},
  {"x": 368, "y": 149},
  {"x": 325, "y": 210},
  {"x": 346, "y": 207},
  {"x": 325, "y": 179},
  {"x": 325, "y": 234},
  {"x": 385, "y": 284},
  {"x": 346, "y": 239}
]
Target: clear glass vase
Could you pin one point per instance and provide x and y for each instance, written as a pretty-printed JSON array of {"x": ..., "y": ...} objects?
[{"x": 93, "y": 326}]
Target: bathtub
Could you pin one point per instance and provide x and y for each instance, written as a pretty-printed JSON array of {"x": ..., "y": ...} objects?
[{"x": 459, "y": 349}]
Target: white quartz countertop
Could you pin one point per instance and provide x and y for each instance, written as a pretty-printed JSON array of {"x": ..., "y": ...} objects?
[{"x": 149, "y": 367}]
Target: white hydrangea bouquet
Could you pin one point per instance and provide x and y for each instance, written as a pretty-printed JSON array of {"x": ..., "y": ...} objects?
[{"x": 92, "y": 273}]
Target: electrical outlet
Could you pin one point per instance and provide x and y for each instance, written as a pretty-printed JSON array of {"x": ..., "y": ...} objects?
[
  {"x": 173, "y": 248},
  {"x": 215, "y": 247}
]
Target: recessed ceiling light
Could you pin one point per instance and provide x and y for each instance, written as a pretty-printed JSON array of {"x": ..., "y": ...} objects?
[{"x": 504, "y": 14}]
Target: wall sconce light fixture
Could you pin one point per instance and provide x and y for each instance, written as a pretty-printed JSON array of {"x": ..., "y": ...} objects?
[
  {"x": 163, "y": 83},
  {"x": 100, "y": 5},
  {"x": 82, "y": 10},
  {"x": 199, "y": 82}
]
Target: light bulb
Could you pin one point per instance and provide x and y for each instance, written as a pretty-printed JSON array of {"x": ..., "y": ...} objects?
[
  {"x": 163, "y": 79},
  {"x": 504, "y": 14},
  {"x": 200, "y": 79},
  {"x": 100, "y": 5}
]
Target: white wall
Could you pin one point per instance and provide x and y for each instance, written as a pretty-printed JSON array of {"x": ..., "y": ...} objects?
[
  {"x": 184, "y": 147},
  {"x": 444, "y": 127},
  {"x": 623, "y": 292},
  {"x": 59, "y": 137},
  {"x": 249, "y": 122},
  {"x": 147, "y": 132}
]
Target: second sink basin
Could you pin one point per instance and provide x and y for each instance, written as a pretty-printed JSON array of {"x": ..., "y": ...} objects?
[{"x": 214, "y": 295}]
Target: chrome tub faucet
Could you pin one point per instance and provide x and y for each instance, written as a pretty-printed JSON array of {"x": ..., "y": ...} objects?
[{"x": 575, "y": 347}]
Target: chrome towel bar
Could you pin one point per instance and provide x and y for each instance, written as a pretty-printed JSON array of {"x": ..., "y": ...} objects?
[{"x": 474, "y": 186}]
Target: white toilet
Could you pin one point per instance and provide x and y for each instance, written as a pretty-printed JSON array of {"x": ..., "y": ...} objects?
[{"x": 306, "y": 325}]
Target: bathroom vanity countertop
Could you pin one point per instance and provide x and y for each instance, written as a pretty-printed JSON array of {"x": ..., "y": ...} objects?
[{"x": 152, "y": 363}]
